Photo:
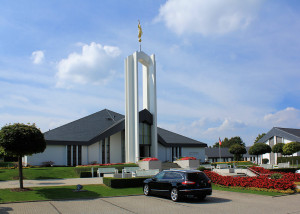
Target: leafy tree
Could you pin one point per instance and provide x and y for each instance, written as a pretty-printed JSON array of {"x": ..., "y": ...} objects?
[
  {"x": 291, "y": 148},
  {"x": 259, "y": 149},
  {"x": 278, "y": 148},
  {"x": 237, "y": 150},
  {"x": 236, "y": 140},
  {"x": 259, "y": 136},
  {"x": 227, "y": 143},
  {"x": 18, "y": 140}
]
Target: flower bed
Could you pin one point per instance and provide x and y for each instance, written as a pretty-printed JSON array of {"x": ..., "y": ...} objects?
[
  {"x": 149, "y": 159},
  {"x": 188, "y": 158},
  {"x": 263, "y": 181},
  {"x": 105, "y": 164},
  {"x": 295, "y": 177}
]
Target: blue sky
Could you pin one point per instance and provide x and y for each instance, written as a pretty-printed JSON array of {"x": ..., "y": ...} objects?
[{"x": 224, "y": 68}]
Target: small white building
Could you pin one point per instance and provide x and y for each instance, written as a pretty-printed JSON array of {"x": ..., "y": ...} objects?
[
  {"x": 100, "y": 138},
  {"x": 279, "y": 135}
]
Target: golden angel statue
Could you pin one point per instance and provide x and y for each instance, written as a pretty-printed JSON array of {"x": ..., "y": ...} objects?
[{"x": 140, "y": 32}]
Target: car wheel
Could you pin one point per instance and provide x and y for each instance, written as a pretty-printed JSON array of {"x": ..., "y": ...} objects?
[
  {"x": 147, "y": 190},
  {"x": 174, "y": 195},
  {"x": 201, "y": 197}
]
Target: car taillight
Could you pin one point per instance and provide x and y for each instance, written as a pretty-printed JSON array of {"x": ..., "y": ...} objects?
[{"x": 188, "y": 182}]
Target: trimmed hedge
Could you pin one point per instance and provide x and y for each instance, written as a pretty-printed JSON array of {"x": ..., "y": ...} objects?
[
  {"x": 124, "y": 182},
  {"x": 288, "y": 159},
  {"x": 292, "y": 170}
]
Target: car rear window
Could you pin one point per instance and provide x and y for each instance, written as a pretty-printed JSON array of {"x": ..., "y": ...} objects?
[{"x": 196, "y": 176}]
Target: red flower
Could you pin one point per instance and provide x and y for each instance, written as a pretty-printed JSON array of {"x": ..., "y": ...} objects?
[
  {"x": 188, "y": 158},
  {"x": 149, "y": 159}
]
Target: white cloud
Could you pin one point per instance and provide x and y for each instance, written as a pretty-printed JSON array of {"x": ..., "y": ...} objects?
[
  {"x": 288, "y": 118},
  {"x": 37, "y": 57},
  {"x": 208, "y": 17},
  {"x": 95, "y": 64}
]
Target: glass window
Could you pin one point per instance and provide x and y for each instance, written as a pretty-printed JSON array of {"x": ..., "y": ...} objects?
[
  {"x": 279, "y": 139},
  {"x": 145, "y": 134},
  {"x": 160, "y": 175},
  {"x": 79, "y": 155},
  {"x": 69, "y": 155}
]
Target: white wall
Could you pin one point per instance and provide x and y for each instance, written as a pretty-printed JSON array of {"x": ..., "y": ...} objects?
[
  {"x": 55, "y": 153},
  {"x": 196, "y": 152},
  {"x": 84, "y": 155},
  {"x": 94, "y": 153},
  {"x": 115, "y": 148}
]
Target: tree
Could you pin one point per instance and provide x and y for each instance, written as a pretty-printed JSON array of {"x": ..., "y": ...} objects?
[
  {"x": 18, "y": 140},
  {"x": 237, "y": 150},
  {"x": 259, "y": 136},
  {"x": 291, "y": 148},
  {"x": 227, "y": 143},
  {"x": 259, "y": 149},
  {"x": 278, "y": 148}
]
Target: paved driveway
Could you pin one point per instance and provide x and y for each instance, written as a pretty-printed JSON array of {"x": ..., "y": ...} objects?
[{"x": 219, "y": 202}]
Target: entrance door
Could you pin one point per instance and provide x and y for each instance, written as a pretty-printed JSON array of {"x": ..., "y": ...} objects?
[{"x": 145, "y": 151}]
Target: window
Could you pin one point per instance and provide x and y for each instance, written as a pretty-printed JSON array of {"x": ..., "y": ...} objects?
[
  {"x": 145, "y": 134},
  {"x": 74, "y": 155},
  {"x": 103, "y": 151},
  {"x": 69, "y": 154},
  {"x": 279, "y": 139},
  {"x": 108, "y": 150},
  {"x": 271, "y": 141},
  {"x": 160, "y": 175},
  {"x": 79, "y": 155}
]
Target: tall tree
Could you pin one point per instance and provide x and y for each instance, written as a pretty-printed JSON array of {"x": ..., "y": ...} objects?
[
  {"x": 259, "y": 136},
  {"x": 227, "y": 143},
  {"x": 259, "y": 149},
  {"x": 291, "y": 148},
  {"x": 237, "y": 150},
  {"x": 18, "y": 140}
]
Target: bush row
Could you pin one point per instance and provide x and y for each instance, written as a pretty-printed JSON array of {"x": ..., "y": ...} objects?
[
  {"x": 124, "y": 182},
  {"x": 286, "y": 170},
  {"x": 288, "y": 159}
]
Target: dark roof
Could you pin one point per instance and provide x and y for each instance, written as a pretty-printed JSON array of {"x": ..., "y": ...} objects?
[
  {"x": 173, "y": 139},
  {"x": 85, "y": 129},
  {"x": 286, "y": 133},
  {"x": 102, "y": 124},
  {"x": 214, "y": 153}
]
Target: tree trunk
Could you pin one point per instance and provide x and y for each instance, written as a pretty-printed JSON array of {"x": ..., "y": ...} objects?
[{"x": 20, "y": 172}]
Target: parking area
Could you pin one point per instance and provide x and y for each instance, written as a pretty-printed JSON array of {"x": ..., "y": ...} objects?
[{"x": 219, "y": 202}]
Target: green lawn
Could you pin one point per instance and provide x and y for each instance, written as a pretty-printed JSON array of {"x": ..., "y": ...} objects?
[
  {"x": 232, "y": 189},
  {"x": 39, "y": 173},
  {"x": 51, "y": 172},
  {"x": 65, "y": 192}
]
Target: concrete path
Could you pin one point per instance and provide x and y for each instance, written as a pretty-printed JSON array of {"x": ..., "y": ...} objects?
[{"x": 50, "y": 182}]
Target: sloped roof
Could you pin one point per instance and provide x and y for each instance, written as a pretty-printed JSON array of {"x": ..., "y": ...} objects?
[
  {"x": 174, "y": 139},
  {"x": 97, "y": 126},
  {"x": 286, "y": 133},
  {"x": 214, "y": 153},
  {"x": 83, "y": 130}
]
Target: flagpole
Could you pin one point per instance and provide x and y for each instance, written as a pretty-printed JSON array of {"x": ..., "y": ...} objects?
[{"x": 220, "y": 149}]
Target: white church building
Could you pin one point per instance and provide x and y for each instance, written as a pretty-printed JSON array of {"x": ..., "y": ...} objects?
[{"x": 109, "y": 137}]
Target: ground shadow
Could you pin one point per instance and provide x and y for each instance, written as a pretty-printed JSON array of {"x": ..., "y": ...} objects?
[
  {"x": 51, "y": 183},
  {"x": 194, "y": 200},
  {"x": 65, "y": 193},
  {"x": 4, "y": 210},
  {"x": 44, "y": 177},
  {"x": 207, "y": 200}
]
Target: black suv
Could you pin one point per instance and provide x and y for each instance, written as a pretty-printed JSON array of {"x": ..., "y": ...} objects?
[{"x": 179, "y": 183}]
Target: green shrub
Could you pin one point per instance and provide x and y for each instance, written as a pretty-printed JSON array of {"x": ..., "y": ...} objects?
[
  {"x": 7, "y": 164},
  {"x": 276, "y": 176},
  {"x": 289, "y": 159},
  {"x": 286, "y": 170},
  {"x": 124, "y": 182},
  {"x": 265, "y": 160},
  {"x": 201, "y": 168}
]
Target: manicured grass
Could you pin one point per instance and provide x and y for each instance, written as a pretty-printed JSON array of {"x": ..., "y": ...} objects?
[
  {"x": 65, "y": 192},
  {"x": 39, "y": 173},
  {"x": 232, "y": 189}
]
